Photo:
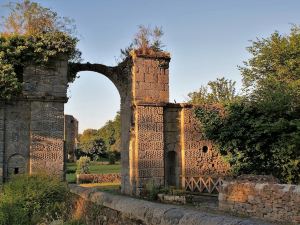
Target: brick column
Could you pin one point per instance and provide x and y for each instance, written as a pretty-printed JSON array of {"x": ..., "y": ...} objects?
[{"x": 46, "y": 88}]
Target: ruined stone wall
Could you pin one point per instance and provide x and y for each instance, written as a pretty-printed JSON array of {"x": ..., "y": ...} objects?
[
  {"x": 97, "y": 207},
  {"x": 149, "y": 146},
  {"x": 46, "y": 88},
  {"x": 150, "y": 78},
  {"x": 276, "y": 202},
  {"x": 17, "y": 138},
  {"x": 71, "y": 136},
  {"x": 187, "y": 152},
  {"x": 172, "y": 135},
  {"x": 47, "y": 138},
  {"x": 150, "y": 91},
  {"x": 32, "y": 126},
  {"x": 200, "y": 158}
]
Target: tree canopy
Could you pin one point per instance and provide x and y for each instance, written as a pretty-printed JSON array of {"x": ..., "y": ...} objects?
[
  {"x": 30, "y": 18},
  {"x": 259, "y": 133},
  {"x": 221, "y": 91},
  {"x": 102, "y": 142}
]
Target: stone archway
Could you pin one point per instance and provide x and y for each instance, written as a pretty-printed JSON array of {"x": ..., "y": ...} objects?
[
  {"x": 150, "y": 125},
  {"x": 143, "y": 85},
  {"x": 120, "y": 77}
]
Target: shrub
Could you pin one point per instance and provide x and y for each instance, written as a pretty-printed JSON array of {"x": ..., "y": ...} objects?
[
  {"x": 33, "y": 199},
  {"x": 112, "y": 158},
  {"x": 83, "y": 165},
  {"x": 152, "y": 190}
]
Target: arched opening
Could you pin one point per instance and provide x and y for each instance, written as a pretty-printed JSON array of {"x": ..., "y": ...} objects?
[
  {"x": 95, "y": 102},
  {"x": 16, "y": 165},
  {"x": 172, "y": 168}
]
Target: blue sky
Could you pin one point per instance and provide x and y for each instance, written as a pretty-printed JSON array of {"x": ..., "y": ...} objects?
[{"x": 206, "y": 39}]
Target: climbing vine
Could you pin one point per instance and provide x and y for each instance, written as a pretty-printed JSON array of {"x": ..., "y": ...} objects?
[{"x": 18, "y": 51}]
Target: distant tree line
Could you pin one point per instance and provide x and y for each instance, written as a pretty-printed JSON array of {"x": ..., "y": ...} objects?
[{"x": 103, "y": 143}]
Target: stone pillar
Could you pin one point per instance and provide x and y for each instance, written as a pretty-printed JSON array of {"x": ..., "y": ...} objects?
[
  {"x": 150, "y": 91},
  {"x": 71, "y": 137},
  {"x": 46, "y": 88}
]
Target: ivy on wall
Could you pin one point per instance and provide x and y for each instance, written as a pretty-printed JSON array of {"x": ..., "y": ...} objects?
[{"x": 18, "y": 51}]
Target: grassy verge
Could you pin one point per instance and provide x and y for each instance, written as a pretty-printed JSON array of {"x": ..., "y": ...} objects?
[
  {"x": 95, "y": 167},
  {"x": 108, "y": 187}
]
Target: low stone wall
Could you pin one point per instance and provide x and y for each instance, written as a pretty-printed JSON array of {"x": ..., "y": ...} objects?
[
  {"x": 99, "y": 178},
  {"x": 272, "y": 201},
  {"x": 117, "y": 209}
]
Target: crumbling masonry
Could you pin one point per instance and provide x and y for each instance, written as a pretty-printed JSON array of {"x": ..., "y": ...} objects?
[{"x": 160, "y": 142}]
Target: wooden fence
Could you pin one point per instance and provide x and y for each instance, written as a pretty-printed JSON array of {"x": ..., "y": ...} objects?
[{"x": 202, "y": 184}]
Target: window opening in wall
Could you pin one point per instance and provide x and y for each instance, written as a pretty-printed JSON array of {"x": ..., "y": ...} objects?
[
  {"x": 204, "y": 149},
  {"x": 212, "y": 165},
  {"x": 16, "y": 171}
]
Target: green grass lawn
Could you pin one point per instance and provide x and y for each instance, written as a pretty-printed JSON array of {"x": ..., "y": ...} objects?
[{"x": 95, "y": 167}]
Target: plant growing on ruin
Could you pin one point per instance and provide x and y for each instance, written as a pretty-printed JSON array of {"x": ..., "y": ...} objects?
[{"x": 146, "y": 41}]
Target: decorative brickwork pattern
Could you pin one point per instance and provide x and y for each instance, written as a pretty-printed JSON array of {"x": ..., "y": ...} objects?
[
  {"x": 200, "y": 156},
  {"x": 47, "y": 135},
  {"x": 276, "y": 202},
  {"x": 150, "y": 145}
]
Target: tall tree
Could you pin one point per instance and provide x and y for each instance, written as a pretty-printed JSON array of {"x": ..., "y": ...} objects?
[
  {"x": 261, "y": 133},
  {"x": 30, "y": 18},
  {"x": 219, "y": 91}
]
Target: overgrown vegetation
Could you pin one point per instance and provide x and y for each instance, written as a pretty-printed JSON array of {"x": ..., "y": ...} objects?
[
  {"x": 34, "y": 199},
  {"x": 146, "y": 41},
  {"x": 259, "y": 132},
  {"x": 221, "y": 91},
  {"x": 31, "y": 34}
]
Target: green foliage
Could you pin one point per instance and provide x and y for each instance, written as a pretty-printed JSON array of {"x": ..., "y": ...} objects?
[
  {"x": 30, "y": 18},
  {"x": 111, "y": 158},
  {"x": 31, "y": 35},
  {"x": 260, "y": 132},
  {"x": 219, "y": 91},
  {"x": 33, "y": 199},
  {"x": 99, "y": 143},
  {"x": 9, "y": 84},
  {"x": 83, "y": 165},
  {"x": 276, "y": 58},
  {"x": 111, "y": 133},
  {"x": 152, "y": 190},
  {"x": 147, "y": 41}
]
